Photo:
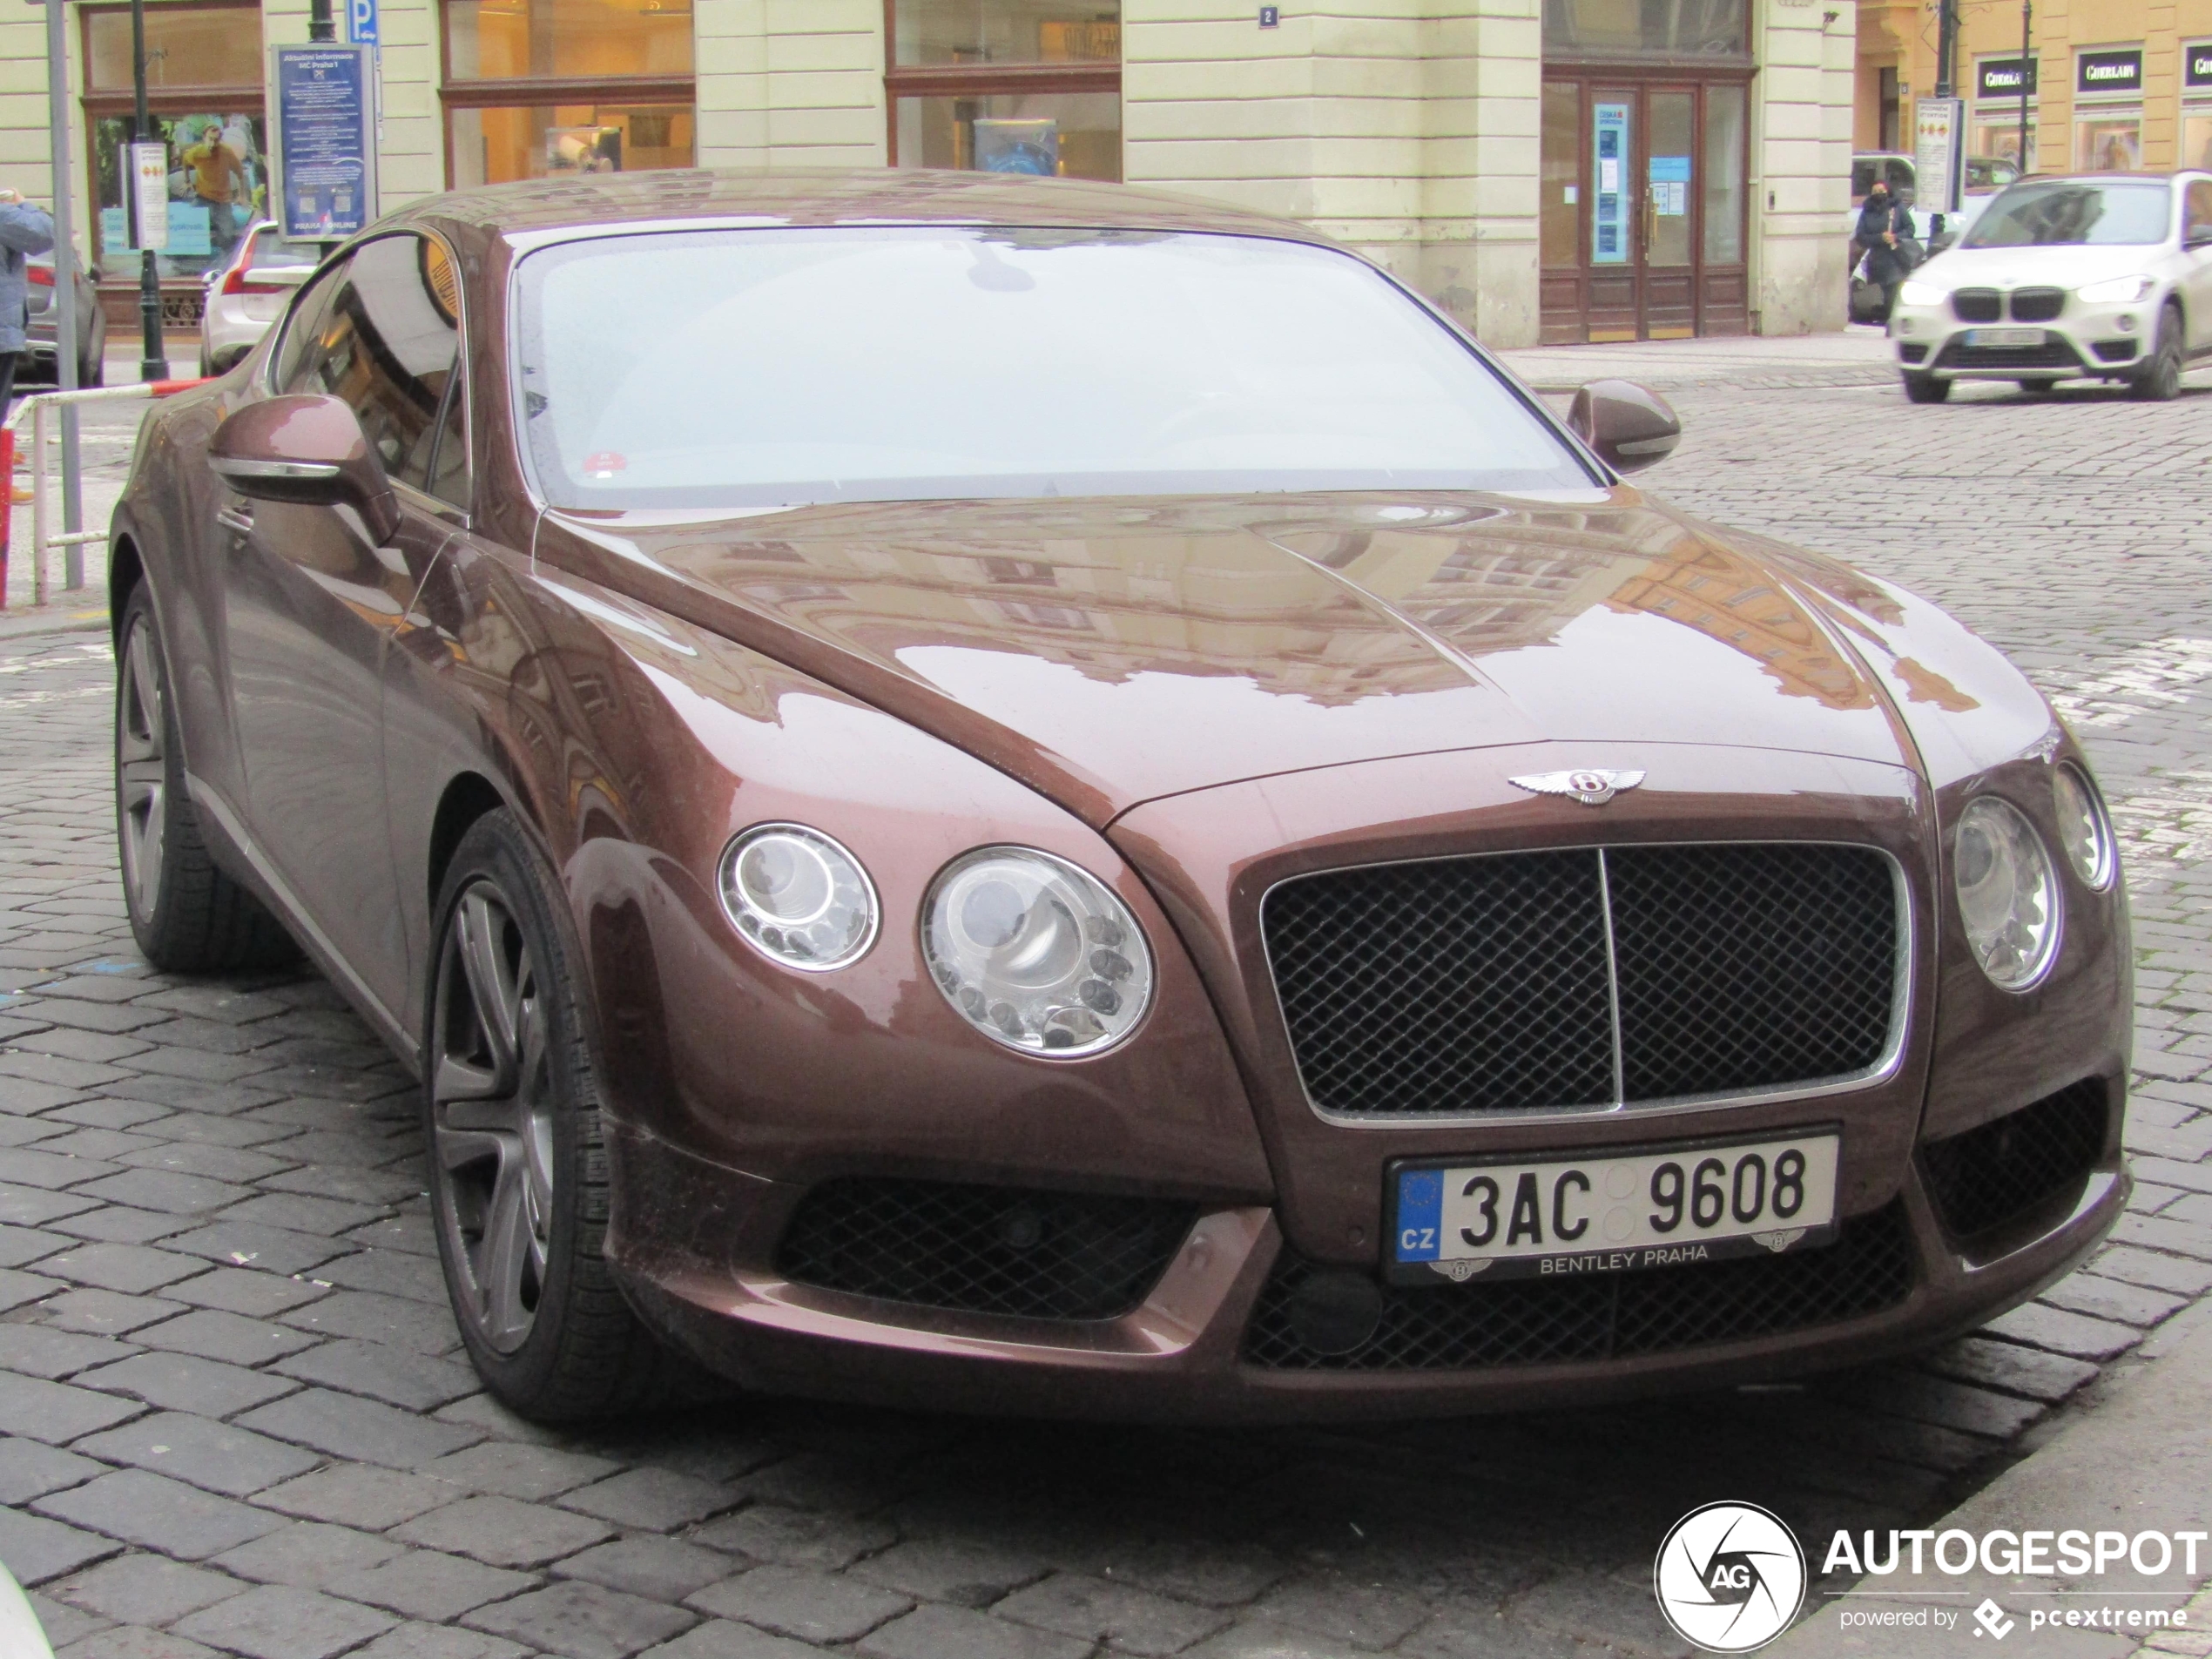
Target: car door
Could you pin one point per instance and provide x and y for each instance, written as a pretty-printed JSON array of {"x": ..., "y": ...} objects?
[
  {"x": 2196, "y": 262},
  {"x": 311, "y": 600}
]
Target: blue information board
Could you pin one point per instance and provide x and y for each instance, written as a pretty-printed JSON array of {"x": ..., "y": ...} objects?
[
  {"x": 325, "y": 141},
  {"x": 1610, "y": 202}
]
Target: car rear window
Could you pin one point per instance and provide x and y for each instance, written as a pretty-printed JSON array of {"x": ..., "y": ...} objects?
[
  {"x": 752, "y": 368},
  {"x": 2073, "y": 212},
  {"x": 270, "y": 251}
]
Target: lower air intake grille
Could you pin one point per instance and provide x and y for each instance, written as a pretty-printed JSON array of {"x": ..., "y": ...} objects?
[
  {"x": 982, "y": 1249},
  {"x": 1996, "y": 1173},
  {"x": 1555, "y": 1321},
  {"x": 1486, "y": 984}
]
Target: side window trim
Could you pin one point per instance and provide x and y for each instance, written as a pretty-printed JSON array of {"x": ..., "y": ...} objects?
[
  {"x": 313, "y": 294},
  {"x": 456, "y": 386}
]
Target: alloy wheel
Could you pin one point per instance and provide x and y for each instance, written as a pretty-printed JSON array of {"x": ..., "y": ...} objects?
[
  {"x": 493, "y": 1115},
  {"x": 141, "y": 771}
]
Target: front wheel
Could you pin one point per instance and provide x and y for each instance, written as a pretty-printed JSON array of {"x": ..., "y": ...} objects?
[
  {"x": 520, "y": 1184},
  {"x": 2161, "y": 379},
  {"x": 186, "y": 915},
  {"x": 1926, "y": 388}
]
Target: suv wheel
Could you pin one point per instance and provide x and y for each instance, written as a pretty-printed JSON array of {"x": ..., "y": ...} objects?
[
  {"x": 2162, "y": 376},
  {"x": 1926, "y": 388}
]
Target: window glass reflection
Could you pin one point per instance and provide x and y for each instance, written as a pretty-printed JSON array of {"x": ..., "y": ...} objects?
[
  {"x": 505, "y": 39},
  {"x": 1007, "y": 32},
  {"x": 502, "y": 143},
  {"x": 1067, "y": 135},
  {"x": 220, "y": 46}
]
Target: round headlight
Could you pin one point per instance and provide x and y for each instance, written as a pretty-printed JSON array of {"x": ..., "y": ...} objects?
[
  {"x": 2007, "y": 894},
  {"x": 2084, "y": 830},
  {"x": 798, "y": 897},
  {"x": 1035, "y": 953}
]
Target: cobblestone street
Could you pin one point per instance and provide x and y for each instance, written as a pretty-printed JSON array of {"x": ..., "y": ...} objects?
[{"x": 237, "y": 1418}]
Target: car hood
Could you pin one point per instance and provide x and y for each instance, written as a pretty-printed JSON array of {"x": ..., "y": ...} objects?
[
  {"x": 1112, "y": 651},
  {"x": 2014, "y": 268}
]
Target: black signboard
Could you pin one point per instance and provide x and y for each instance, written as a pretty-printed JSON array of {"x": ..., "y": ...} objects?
[
  {"x": 2197, "y": 65},
  {"x": 2001, "y": 78},
  {"x": 2109, "y": 72}
]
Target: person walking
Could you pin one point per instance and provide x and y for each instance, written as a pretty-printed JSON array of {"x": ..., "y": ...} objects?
[
  {"x": 24, "y": 230},
  {"x": 1884, "y": 223}
]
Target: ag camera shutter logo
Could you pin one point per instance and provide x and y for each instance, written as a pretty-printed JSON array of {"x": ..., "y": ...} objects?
[{"x": 1730, "y": 1578}]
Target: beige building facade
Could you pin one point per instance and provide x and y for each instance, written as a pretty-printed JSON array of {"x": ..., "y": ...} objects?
[
  {"x": 1546, "y": 170},
  {"x": 2109, "y": 84}
]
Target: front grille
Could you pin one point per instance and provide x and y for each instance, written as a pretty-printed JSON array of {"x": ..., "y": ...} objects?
[
  {"x": 2114, "y": 351},
  {"x": 2052, "y": 354},
  {"x": 2037, "y": 305},
  {"x": 1977, "y": 304},
  {"x": 2005, "y": 1167},
  {"x": 1590, "y": 978},
  {"x": 1563, "y": 1321},
  {"x": 982, "y": 1249}
]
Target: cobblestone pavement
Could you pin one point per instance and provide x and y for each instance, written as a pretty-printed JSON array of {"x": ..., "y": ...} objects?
[{"x": 236, "y": 1417}]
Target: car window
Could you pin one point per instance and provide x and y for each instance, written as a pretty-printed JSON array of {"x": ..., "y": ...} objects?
[
  {"x": 271, "y": 250},
  {"x": 384, "y": 343},
  {"x": 2073, "y": 212},
  {"x": 298, "y": 341},
  {"x": 1863, "y": 169},
  {"x": 767, "y": 366},
  {"x": 1903, "y": 181},
  {"x": 2196, "y": 208}
]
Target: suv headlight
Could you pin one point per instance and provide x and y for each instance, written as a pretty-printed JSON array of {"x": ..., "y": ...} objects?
[
  {"x": 1918, "y": 293},
  {"x": 2118, "y": 290},
  {"x": 1034, "y": 953},
  {"x": 798, "y": 897},
  {"x": 2007, "y": 894}
]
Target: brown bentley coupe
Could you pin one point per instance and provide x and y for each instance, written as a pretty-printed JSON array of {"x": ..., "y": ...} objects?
[{"x": 1036, "y": 796}]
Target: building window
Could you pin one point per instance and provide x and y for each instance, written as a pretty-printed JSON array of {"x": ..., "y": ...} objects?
[
  {"x": 1608, "y": 29},
  {"x": 1018, "y": 86},
  {"x": 537, "y": 88},
  {"x": 203, "y": 68}
]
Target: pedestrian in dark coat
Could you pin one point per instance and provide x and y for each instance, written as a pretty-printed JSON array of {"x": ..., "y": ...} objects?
[{"x": 1884, "y": 222}]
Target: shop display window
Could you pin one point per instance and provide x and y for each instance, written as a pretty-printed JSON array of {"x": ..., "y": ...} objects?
[
  {"x": 537, "y": 89},
  {"x": 2196, "y": 138},
  {"x": 2111, "y": 143},
  {"x": 1016, "y": 86}
]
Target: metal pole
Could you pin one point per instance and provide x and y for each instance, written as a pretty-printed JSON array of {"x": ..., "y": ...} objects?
[
  {"x": 2027, "y": 14},
  {"x": 1946, "y": 44},
  {"x": 153, "y": 361},
  {"x": 65, "y": 342},
  {"x": 320, "y": 24}
]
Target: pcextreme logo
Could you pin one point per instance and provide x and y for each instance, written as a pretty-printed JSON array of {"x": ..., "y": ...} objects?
[{"x": 1730, "y": 1578}]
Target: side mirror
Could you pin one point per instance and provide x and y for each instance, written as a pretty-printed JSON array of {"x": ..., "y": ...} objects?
[
  {"x": 307, "y": 450},
  {"x": 2197, "y": 236},
  {"x": 1629, "y": 426}
]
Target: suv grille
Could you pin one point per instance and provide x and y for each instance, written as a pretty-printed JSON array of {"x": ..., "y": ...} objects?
[
  {"x": 2001, "y": 1170},
  {"x": 983, "y": 1250},
  {"x": 1591, "y": 978},
  {"x": 2037, "y": 305},
  {"x": 1977, "y": 304},
  {"x": 1556, "y": 1321}
]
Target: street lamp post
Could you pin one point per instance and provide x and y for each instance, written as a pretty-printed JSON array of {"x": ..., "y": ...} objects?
[
  {"x": 153, "y": 362},
  {"x": 2027, "y": 14}
]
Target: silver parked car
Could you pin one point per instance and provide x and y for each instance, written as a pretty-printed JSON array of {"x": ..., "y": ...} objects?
[
  {"x": 247, "y": 295},
  {"x": 41, "y": 315},
  {"x": 2099, "y": 275}
]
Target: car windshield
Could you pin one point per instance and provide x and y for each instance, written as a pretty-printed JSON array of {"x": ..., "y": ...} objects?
[
  {"x": 270, "y": 250},
  {"x": 754, "y": 368},
  {"x": 2073, "y": 212}
]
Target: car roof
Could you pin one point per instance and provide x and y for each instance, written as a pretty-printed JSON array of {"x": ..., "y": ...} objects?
[{"x": 539, "y": 209}]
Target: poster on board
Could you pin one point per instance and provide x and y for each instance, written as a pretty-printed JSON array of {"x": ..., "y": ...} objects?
[{"x": 325, "y": 142}]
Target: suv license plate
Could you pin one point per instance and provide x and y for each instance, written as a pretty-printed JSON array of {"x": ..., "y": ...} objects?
[
  {"x": 1610, "y": 1212},
  {"x": 2004, "y": 336}
]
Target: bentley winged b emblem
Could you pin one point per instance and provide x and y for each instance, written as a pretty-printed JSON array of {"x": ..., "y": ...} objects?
[{"x": 1587, "y": 785}]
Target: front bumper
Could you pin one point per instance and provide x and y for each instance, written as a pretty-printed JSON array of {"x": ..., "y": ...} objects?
[
  {"x": 695, "y": 1246},
  {"x": 2104, "y": 341}
]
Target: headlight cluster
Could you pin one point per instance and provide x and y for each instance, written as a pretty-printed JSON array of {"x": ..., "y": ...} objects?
[
  {"x": 1030, "y": 950},
  {"x": 1918, "y": 293},
  {"x": 2118, "y": 290},
  {"x": 2008, "y": 891}
]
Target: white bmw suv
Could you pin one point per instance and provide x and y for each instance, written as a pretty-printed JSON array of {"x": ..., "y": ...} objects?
[{"x": 2106, "y": 276}]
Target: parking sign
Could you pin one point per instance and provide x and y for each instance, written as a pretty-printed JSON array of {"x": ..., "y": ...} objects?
[{"x": 361, "y": 25}]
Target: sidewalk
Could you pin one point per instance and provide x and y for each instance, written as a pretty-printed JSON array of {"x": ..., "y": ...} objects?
[{"x": 1853, "y": 357}]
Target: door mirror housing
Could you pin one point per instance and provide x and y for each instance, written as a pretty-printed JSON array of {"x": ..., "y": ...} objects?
[
  {"x": 307, "y": 450},
  {"x": 1627, "y": 425}
]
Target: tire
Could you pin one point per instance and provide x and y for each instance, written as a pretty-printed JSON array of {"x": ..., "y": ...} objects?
[
  {"x": 2161, "y": 379},
  {"x": 186, "y": 915},
  {"x": 1926, "y": 388},
  {"x": 519, "y": 1177}
]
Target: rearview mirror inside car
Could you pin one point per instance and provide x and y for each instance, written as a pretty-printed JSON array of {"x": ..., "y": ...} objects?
[
  {"x": 1628, "y": 425},
  {"x": 307, "y": 450}
]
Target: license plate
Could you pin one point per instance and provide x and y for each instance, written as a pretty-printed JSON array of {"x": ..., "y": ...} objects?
[
  {"x": 2004, "y": 336},
  {"x": 1611, "y": 1212}
]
